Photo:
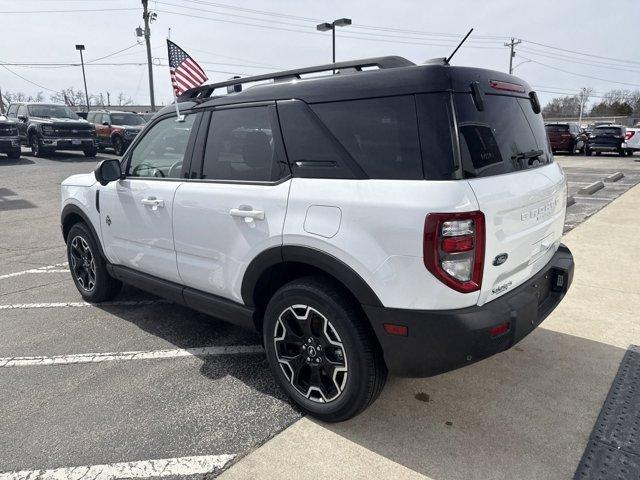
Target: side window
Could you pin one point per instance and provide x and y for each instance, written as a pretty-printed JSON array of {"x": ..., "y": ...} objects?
[
  {"x": 105, "y": 117},
  {"x": 13, "y": 109},
  {"x": 22, "y": 110},
  {"x": 240, "y": 146},
  {"x": 161, "y": 151},
  {"x": 381, "y": 134}
]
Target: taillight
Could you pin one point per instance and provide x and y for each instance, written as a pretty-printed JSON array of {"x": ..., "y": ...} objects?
[
  {"x": 453, "y": 249},
  {"x": 629, "y": 134}
]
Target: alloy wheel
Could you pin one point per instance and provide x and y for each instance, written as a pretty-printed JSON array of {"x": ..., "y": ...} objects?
[
  {"x": 310, "y": 353},
  {"x": 35, "y": 146},
  {"x": 83, "y": 264}
]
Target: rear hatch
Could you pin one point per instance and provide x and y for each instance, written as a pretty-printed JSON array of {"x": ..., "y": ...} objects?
[
  {"x": 508, "y": 163},
  {"x": 559, "y": 135},
  {"x": 607, "y": 137}
]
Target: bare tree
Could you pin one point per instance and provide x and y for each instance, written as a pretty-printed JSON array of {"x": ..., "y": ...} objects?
[
  {"x": 72, "y": 97},
  {"x": 124, "y": 100},
  {"x": 11, "y": 97}
]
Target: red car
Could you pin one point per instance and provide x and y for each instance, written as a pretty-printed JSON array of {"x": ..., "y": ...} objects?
[{"x": 565, "y": 137}]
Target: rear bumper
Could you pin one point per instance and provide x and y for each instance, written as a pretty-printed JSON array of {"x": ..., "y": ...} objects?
[
  {"x": 440, "y": 341},
  {"x": 606, "y": 147}
]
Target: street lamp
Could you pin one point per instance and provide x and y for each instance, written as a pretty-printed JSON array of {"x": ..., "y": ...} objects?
[
  {"x": 80, "y": 48},
  {"x": 324, "y": 27}
]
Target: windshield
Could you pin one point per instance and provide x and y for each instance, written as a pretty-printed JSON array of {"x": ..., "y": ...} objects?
[
  {"x": 52, "y": 111},
  {"x": 507, "y": 136},
  {"x": 126, "y": 119}
]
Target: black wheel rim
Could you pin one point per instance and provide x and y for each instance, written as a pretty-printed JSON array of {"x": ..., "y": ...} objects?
[
  {"x": 83, "y": 264},
  {"x": 310, "y": 353}
]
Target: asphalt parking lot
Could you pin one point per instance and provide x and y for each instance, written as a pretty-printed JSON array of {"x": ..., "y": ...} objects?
[{"x": 140, "y": 383}]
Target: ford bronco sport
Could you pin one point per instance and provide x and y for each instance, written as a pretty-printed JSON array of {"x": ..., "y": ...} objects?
[{"x": 391, "y": 217}]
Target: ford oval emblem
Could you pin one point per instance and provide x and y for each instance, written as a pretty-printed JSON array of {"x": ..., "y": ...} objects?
[{"x": 500, "y": 259}]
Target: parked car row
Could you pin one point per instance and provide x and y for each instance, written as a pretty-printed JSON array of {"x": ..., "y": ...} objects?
[
  {"x": 46, "y": 128},
  {"x": 570, "y": 138}
]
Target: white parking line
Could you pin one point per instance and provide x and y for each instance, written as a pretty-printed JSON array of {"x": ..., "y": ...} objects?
[
  {"x": 124, "y": 356},
  {"x": 47, "y": 269},
  {"x": 142, "y": 469},
  {"x": 128, "y": 303}
]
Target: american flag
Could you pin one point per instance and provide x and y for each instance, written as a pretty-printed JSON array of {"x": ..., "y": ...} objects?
[{"x": 185, "y": 72}]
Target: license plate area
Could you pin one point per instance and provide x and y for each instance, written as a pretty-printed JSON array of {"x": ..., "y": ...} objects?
[{"x": 76, "y": 142}]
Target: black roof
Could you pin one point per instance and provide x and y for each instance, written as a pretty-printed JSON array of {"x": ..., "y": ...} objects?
[{"x": 353, "y": 80}]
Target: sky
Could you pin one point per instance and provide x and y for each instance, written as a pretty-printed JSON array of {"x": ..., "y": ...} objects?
[{"x": 565, "y": 45}]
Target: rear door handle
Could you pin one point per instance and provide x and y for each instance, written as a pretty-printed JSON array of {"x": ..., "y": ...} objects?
[
  {"x": 248, "y": 215},
  {"x": 152, "y": 202}
]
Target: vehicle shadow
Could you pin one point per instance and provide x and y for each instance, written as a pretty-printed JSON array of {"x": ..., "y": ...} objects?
[
  {"x": 71, "y": 157},
  {"x": 526, "y": 413},
  {"x": 5, "y": 161},
  {"x": 186, "y": 328}
]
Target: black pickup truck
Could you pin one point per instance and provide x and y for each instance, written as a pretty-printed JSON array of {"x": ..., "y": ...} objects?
[
  {"x": 9, "y": 138},
  {"x": 47, "y": 128}
]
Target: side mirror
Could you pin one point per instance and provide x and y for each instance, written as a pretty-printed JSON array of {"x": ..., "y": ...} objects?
[
  {"x": 106, "y": 124},
  {"x": 22, "y": 118},
  {"x": 108, "y": 171}
]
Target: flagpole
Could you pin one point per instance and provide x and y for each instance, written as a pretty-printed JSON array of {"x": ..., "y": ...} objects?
[{"x": 179, "y": 118}]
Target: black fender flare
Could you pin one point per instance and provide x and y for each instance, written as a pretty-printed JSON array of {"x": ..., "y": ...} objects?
[
  {"x": 306, "y": 256},
  {"x": 73, "y": 210}
]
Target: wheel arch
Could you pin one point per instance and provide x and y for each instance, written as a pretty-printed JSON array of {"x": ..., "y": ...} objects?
[
  {"x": 72, "y": 214},
  {"x": 279, "y": 265}
]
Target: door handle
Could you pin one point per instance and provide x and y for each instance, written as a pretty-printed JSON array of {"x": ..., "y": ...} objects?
[
  {"x": 152, "y": 202},
  {"x": 248, "y": 215}
]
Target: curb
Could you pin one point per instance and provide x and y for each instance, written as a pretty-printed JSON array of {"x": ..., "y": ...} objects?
[
  {"x": 589, "y": 189},
  {"x": 614, "y": 177}
]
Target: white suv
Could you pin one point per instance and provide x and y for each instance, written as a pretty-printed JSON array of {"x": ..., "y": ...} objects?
[{"x": 390, "y": 217}]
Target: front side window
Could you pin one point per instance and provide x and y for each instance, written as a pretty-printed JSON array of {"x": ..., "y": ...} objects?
[
  {"x": 160, "y": 153},
  {"x": 22, "y": 111},
  {"x": 240, "y": 146},
  {"x": 13, "y": 109}
]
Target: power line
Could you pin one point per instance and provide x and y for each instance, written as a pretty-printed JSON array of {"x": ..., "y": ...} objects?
[
  {"x": 565, "y": 59},
  {"x": 82, "y": 10},
  {"x": 580, "y": 75},
  {"x": 27, "y": 80},
  {"x": 591, "y": 55}
]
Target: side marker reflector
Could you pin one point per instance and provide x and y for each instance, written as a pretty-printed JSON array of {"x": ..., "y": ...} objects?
[{"x": 393, "y": 329}]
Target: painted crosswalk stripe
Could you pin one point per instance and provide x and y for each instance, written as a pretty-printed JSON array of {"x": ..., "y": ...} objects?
[
  {"x": 166, "y": 467},
  {"x": 126, "y": 303},
  {"x": 126, "y": 356},
  {"x": 48, "y": 269}
]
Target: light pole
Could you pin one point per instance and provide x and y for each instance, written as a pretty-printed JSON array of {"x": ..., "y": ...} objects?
[
  {"x": 324, "y": 27},
  {"x": 80, "y": 48}
]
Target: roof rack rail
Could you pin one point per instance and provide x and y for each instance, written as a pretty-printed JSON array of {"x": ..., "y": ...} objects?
[{"x": 205, "y": 91}]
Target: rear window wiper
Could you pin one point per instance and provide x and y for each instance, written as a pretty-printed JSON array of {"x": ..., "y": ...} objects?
[{"x": 527, "y": 155}]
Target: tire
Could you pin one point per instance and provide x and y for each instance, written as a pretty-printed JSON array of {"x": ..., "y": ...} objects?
[
  {"x": 572, "y": 149},
  {"x": 92, "y": 152},
  {"x": 587, "y": 152},
  {"x": 313, "y": 317},
  {"x": 37, "y": 150},
  {"x": 621, "y": 152},
  {"x": 598, "y": 153},
  {"x": 630, "y": 153},
  {"x": 14, "y": 154},
  {"x": 90, "y": 277},
  {"x": 118, "y": 145}
]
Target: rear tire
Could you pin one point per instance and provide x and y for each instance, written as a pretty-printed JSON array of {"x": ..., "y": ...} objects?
[
  {"x": 321, "y": 350},
  {"x": 88, "y": 268},
  {"x": 598, "y": 153},
  {"x": 630, "y": 153},
  {"x": 621, "y": 152}
]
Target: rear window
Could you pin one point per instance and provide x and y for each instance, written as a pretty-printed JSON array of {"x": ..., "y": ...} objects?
[
  {"x": 507, "y": 136},
  {"x": 557, "y": 128},
  {"x": 608, "y": 130}
]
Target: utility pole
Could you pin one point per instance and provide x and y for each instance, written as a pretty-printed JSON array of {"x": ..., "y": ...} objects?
[
  {"x": 583, "y": 91},
  {"x": 80, "y": 48},
  {"x": 147, "y": 38},
  {"x": 512, "y": 46}
]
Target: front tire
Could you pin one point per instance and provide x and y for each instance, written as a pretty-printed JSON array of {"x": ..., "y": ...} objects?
[
  {"x": 88, "y": 268},
  {"x": 37, "y": 150},
  {"x": 14, "y": 155},
  {"x": 572, "y": 149},
  {"x": 587, "y": 151},
  {"x": 118, "y": 146},
  {"x": 321, "y": 350},
  {"x": 90, "y": 152}
]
